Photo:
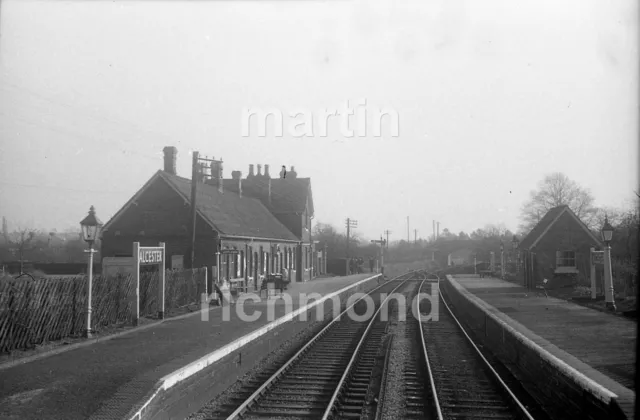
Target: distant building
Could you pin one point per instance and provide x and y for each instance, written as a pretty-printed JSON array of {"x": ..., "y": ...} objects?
[
  {"x": 558, "y": 245},
  {"x": 268, "y": 221},
  {"x": 460, "y": 257}
]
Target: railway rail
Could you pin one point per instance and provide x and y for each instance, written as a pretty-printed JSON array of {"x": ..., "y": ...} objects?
[
  {"x": 330, "y": 376},
  {"x": 461, "y": 382}
]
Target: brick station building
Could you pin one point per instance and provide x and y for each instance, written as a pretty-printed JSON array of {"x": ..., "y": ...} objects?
[
  {"x": 268, "y": 221},
  {"x": 558, "y": 247}
]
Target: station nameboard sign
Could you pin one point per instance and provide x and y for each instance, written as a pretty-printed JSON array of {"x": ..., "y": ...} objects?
[
  {"x": 597, "y": 257},
  {"x": 151, "y": 255}
]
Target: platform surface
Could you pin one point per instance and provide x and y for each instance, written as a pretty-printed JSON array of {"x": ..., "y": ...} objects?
[
  {"x": 106, "y": 379},
  {"x": 605, "y": 342}
]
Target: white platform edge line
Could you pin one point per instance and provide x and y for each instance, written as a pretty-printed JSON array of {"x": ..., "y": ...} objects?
[
  {"x": 589, "y": 383},
  {"x": 194, "y": 367}
]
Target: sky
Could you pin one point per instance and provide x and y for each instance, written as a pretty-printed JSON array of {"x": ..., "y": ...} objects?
[{"x": 490, "y": 96}]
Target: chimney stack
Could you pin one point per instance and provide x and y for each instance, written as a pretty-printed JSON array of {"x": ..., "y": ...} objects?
[
  {"x": 292, "y": 173},
  {"x": 269, "y": 190},
  {"x": 170, "y": 156},
  {"x": 237, "y": 175},
  {"x": 251, "y": 174},
  {"x": 259, "y": 174},
  {"x": 218, "y": 175},
  {"x": 266, "y": 171}
]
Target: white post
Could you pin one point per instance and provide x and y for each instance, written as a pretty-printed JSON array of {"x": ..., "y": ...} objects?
[
  {"x": 206, "y": 279},
  {"x": 608, "y": 280},
  {"x": 89, "y": 291},
  {"x": 593, "y": 273},
  {"x": 136, "y": 279},
  {"x": 161, "y": 283},
  {"x": 475, "y": 265},
  {"x": 502, "y": 263}
]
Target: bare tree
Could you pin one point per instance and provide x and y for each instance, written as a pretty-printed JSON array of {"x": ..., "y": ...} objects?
[
  {"x": 555, "y": 190},
  {"x": 20, "y": 241}
]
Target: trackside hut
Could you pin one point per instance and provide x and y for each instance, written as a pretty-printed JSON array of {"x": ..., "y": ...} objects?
[
  {"x": 558, "y": 246},
  {"x": 160, "y": 212}
]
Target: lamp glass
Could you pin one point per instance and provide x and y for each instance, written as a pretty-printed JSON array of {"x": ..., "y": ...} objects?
[
  {"x": 607, "y": 231},
  {"x": 91, "y": 226},
  {"x": 89, "y": 232}
]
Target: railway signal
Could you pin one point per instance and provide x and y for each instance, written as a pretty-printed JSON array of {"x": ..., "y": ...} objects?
[{"x": 387, "y": 232}]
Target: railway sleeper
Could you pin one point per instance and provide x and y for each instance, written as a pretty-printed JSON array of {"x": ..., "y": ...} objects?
[
  {"x": 284, "y": 413},
  {"x": 309, "y": 382}
]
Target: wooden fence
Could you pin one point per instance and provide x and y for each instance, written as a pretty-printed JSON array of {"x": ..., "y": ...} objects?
[{"x": 36, "y": 311}]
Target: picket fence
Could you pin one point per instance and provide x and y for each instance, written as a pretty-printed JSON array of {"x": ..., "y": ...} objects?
[{"x": 36, "y": 311}]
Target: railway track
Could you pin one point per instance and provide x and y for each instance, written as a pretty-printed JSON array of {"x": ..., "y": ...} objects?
[
  {"x": 461, "y": 382},
  {"x": 330, "y": 376}
]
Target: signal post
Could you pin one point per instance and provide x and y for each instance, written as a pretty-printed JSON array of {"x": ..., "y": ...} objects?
[{"x": 382, "y": 243}]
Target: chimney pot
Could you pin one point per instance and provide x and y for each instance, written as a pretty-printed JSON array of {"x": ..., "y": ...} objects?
[
  {"x": 292, "y": 173},
  {"x": 266, "y": 171},
  {"x": 251, "y": 174},
  {"x": 259, "y": 174},
  {"x": 170, "y": 156}
]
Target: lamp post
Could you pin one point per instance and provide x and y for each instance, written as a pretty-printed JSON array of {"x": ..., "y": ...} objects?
[
  {"x": 607, "y": 234},
  {"x": 514, "y": 244},
  {"x": 91, "y": 226},
  {"x": 502, "y": 259}
]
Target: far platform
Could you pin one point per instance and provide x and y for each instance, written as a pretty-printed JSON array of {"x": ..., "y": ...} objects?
[
  {"x": 603, "y": 341},
  {"x": 106, "y": 379}
]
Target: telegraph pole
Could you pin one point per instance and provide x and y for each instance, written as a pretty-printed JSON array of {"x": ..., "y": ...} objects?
[
  {"x": 195, "y": 178},
  {"x": 350, "y": 223},
  {"x": 415, "y": 236},
  {"x": 408, "y": 239},
  {"x": 198, "y": 172},
  {"x": 387, "y": 232}
]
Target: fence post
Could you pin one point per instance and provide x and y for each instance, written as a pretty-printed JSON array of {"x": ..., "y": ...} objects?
[
  {"x": 161, "y": 283},
  {"x": 136, "y": 280}
]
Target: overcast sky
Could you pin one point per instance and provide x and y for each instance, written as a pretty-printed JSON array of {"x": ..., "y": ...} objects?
[{"x": 491, "y": 96}]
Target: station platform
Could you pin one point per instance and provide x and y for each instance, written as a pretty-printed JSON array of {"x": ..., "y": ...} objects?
[
  {"x": 606, "y": 344},
  {"x": 108, "y": 379}
]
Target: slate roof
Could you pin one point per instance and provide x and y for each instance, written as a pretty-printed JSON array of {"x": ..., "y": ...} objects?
[
  {"x": 231, "y": 214},
  {"x": 288, "y": 195},
  {"x": 542, "y": 225},
  {"x": 291, "y": 195},
  {"x": 227, "y": 212},
  {"x": 547, "y": 221}
]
